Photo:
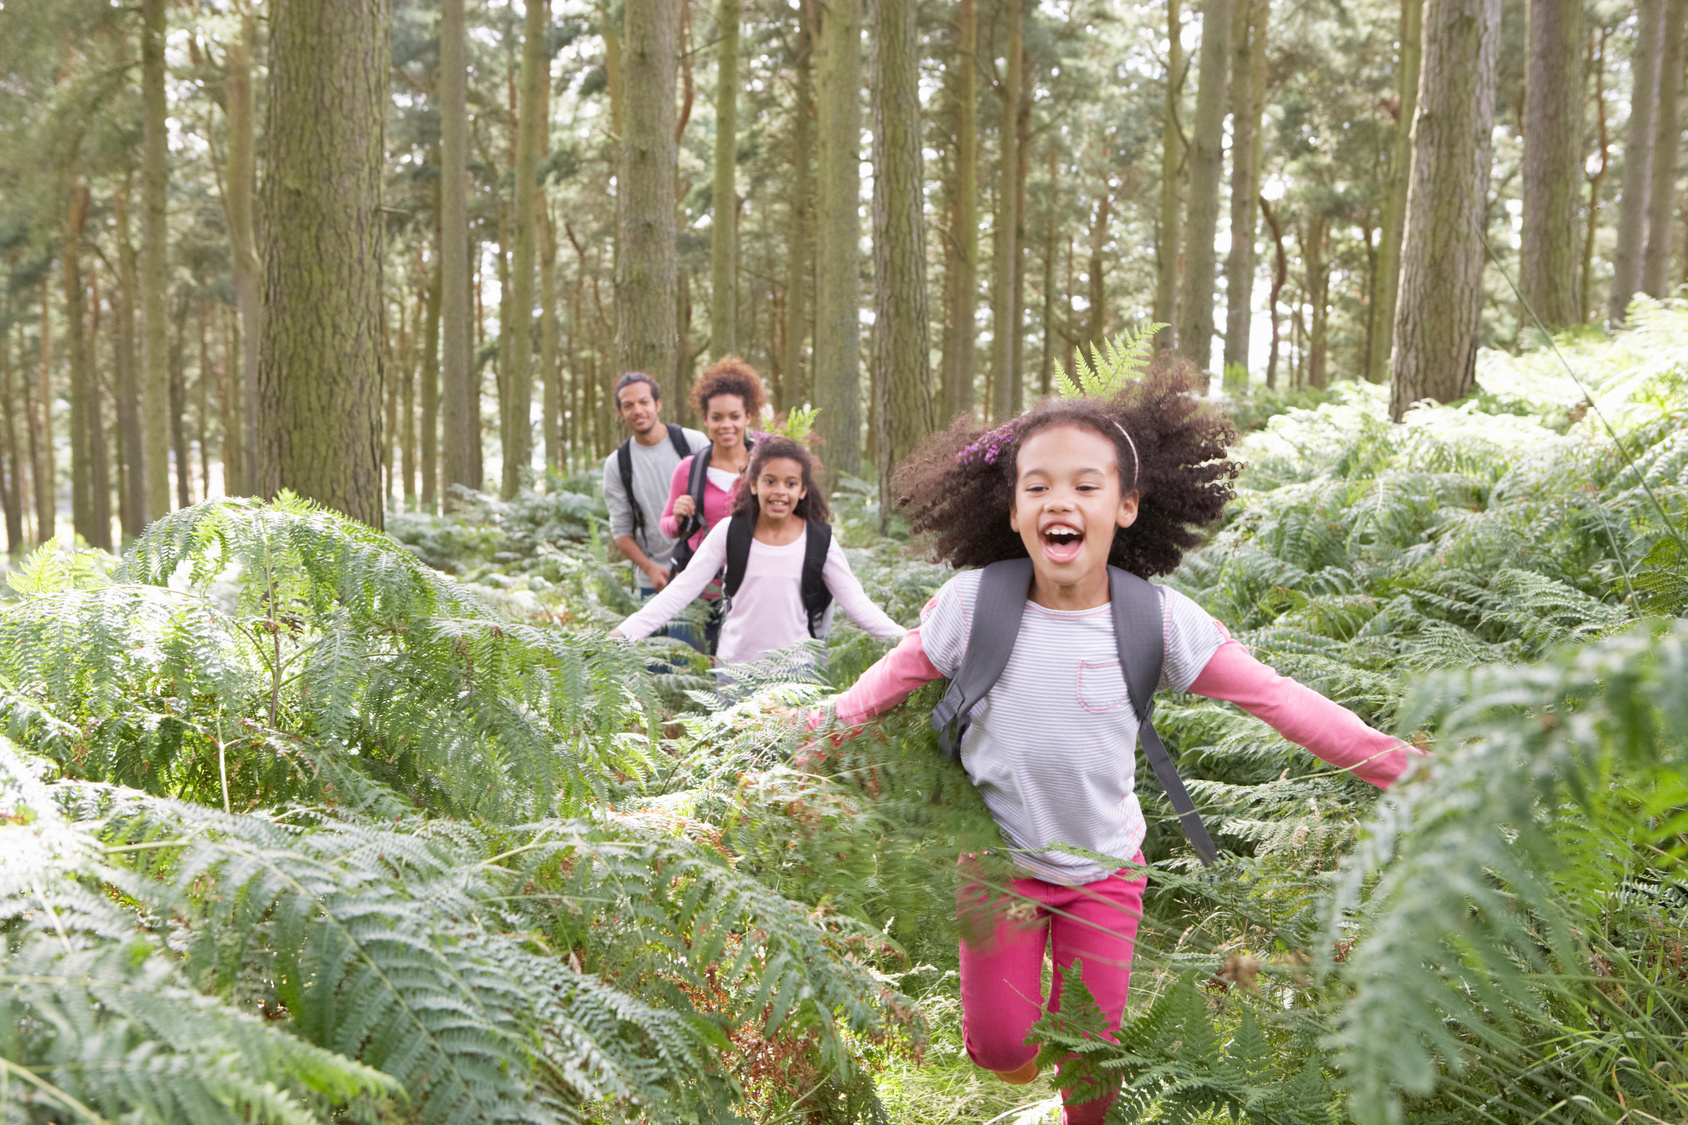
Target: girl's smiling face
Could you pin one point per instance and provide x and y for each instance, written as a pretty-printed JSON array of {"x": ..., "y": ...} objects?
[
  {"x": 779, "y": 487},
  {"x": 1068, "y": 501},
  {"x": 725, "y": 420}
]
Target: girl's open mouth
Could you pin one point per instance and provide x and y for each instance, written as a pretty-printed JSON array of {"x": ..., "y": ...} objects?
[{"x": 1062, "y": 542}]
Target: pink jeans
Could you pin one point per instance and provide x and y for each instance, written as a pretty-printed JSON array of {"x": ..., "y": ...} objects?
[{"x": 1002, "y": 972}]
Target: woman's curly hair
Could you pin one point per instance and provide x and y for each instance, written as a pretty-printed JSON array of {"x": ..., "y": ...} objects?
[
  {"x": 730, "y": 375},
  {"x": 813, "y": 506},
  {"x": 957, "y": 489}
]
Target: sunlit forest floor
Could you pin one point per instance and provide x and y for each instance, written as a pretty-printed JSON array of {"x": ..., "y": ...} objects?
[{"x": 296, "y": 785}]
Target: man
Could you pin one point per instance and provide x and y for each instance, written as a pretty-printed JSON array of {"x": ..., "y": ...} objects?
[{"x": 649, "y": 457}]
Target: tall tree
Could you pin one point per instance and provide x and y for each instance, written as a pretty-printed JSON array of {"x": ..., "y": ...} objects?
[
  {"x": 1631, "y": 248},
  {"x": 319, "y": 370},
  {"x": 1006, "y": 299},
  {"x": 460, "y": 400},
  {"x": 1207, "y": 139},
  {"x": 723, "y": 209},
  {"x": 551, "y": 379},
  {"x": 1248, "y": 100},
  {"x": 1168, "y": 235},
  {"x": 155, "y": 182},
  {"x": 130, "y": 438},
  {"x": 800, "y": 237},
  {"x": 243, "y": 244},
  {"x": 1441, "y": 292},
  {"x": 959, "y": 360},
  {"x": 81, "y": 377},
  {"x": 1667, "y": 134},
  {"x": 43, "y": 462},
  {"x": 901, "y": 349},
  {"x": 1382, "y": 329},
  {"x": 1552, "y": 161},
  {"x": 837, "y": 366},
  {"x": 646, "y": 281},
  {"x": 532, "y": 137}
]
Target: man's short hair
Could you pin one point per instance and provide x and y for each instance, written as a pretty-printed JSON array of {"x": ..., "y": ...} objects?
[{"x": 631, "y": 378}]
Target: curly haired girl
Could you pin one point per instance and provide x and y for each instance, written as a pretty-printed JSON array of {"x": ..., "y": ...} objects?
[
  {"x": 770, "y": 609},
  {"x": 1077, "y": 485}
]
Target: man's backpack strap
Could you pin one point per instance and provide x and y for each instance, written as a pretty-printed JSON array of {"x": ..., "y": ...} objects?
[
  {"x": 677, "y": 438},
  {"x": 817, "y": 598},
  {"x": 1139, "y": 631},
  {"x": 1003, "y": 587},
  {"x": 624, "y": 464}
]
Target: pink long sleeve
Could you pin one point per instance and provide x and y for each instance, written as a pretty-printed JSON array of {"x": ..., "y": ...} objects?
[
  {"x": 676, "y": 489},
  {"x": 1331, "y": 731},
  {"x": 892, "y": 679}
]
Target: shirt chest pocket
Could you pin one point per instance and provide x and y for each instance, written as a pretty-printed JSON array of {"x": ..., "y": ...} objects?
[{"x": 1101, "y": 687}]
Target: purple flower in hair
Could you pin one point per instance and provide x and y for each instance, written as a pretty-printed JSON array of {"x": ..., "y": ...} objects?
[{"x": 988, "y": 448}]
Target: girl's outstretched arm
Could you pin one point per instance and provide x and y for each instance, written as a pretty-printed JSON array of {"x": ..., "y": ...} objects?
[
  {"x": 853, "y": 600},
  {"x": 1328, "y": 729},
  {"x": 688, "y": 584},
  {"x": 892, "y": 679}
]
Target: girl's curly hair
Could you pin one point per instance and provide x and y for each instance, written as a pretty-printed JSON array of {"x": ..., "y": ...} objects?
[
  {"x": 813, "y": 506},
  {"x": 729, "y": 375},
  {"x": 957, "y": 489}
]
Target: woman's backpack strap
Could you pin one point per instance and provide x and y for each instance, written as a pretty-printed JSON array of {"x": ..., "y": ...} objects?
[
  {"x": 1140, "y": 634},
  {"x": 1001, "y": 604}
]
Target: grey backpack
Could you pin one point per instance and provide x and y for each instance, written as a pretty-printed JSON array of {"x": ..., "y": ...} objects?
[{"x": 1142, "y": 649}]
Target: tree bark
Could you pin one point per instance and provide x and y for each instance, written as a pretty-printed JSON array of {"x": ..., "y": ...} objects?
[
  {"x": 961, "y": 359},
  {"x": 76, "y": 353},
  {"x": 1552, "y": 162},
  {"x": 130, "y": 438},
  {"x": 723, "y": 209},
  {"x": 1596, "y": 179},
  {"x": 319, "y": 368},
  {"x": 11, "y": 471},
  {"x": 1168, "y": 242},
  {"x": 1195, "y": 313},
  {"x": 1631, "y": 248},
  {"x": 901, "y": 332},
  {"x": 1280, "y": 275},
  {"x": 646, "y": 281},
  {"x": 179, "y": 403},
  {"x": 1395, "y": 200},
  {"x": 243, "y": 245},
  {"x": 428, "y": 454},
  {"x": 459, "y": 396},
  {"x": 1441, "y": 292},
  {"x": 1004, "y": 332},
  {"x": 1317, "y": 287},
  {"x": 155, "y": 177},
  {"x": 550, "y": 379},
  {"x": 1667, "y": 140},
  {"x": 234, "y": 413},
  {"x": 1248, "y": 82},
  {"x": 800, "y": 240},
  {"x": 1096, "y": 324},
  {"x": 41, "y": 434},
  {"x": 837, "y": 367}
]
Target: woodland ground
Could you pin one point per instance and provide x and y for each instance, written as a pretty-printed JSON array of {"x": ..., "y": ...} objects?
[{"x": 300, "y": 829}]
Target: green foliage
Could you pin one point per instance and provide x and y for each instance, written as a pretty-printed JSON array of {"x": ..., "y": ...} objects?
[{"x": 1110, "y": 364}]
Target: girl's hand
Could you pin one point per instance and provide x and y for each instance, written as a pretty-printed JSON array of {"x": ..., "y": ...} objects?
[
  {"x": 617, "y": 635},
  {"x": 684, "y": 506}
]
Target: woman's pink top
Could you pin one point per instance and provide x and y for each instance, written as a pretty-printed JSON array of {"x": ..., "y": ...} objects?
[{"x": 717, "y": 504}]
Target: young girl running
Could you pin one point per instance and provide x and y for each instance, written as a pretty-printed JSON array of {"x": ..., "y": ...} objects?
[
  {"x": 1077, "y": 485},
  {"x": 768, "y": 610}
]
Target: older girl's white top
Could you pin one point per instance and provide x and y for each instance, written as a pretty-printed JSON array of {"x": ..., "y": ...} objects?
[{"x": 767, "y": 613}]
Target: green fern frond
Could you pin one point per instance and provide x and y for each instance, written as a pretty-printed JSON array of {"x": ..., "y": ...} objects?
[{"x": 1109, "y": 366}]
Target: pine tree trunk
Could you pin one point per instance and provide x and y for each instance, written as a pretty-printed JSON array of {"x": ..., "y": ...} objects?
[
  {"x": 1248, "y": 94},
  {"x": 1169, "y": 236},
  {"x": 243, "y": 248},
  {"x": 459, "y": 394},
  {"x": 1317, "y": 286},
  {"x": 12, "y": 471},
  {"x": 646, "y": 281},
  {"x": 723, "y": 209},
  {"x": 44, "y": 461},
  {"x": 532, "y": 138},
  {"x": 1195, "y": 311},
  {"x": 1022, "y": 172},
  {"x": 99, "y": 454},
  {"x": 234, "y": 414},
  {"x": 319, "y": 368},
  {"x": 1004, "y": 331},
  {"x": 76, "y": 354},
  {"x": 1631, "y": 248},
  {"x": 800, "y": 240},
  {"x": 430, "y": 375},
  {"x": 901, "y": 332},
  {"x": 1382, "y": 328},
  {"x": 179, "y": 403},
  {"x": 1441, "y": 292},
  {"x": 1596, "y": 180},
  {"x": 1046, "y": 361},
  {"x": 837, "y": 366},
  {"x": 1096, "y": 325},
  {"x": 1547, "y": 273},
  {"x": 155, "y": 176},
  {"x": 130, "y": 437},
  {"x": 1280, "y": 276},
  {"x": 1667, "y": 134},
  {"x": 550, "y": 378},
  {"x": 202, "y": 413},
  {"x": 961, "y": 360}
]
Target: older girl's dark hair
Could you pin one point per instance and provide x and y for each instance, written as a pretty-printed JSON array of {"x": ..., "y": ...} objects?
[
  {"x": 729, "y": 375},
  {"x": 813, "y": 506},
  {"x": 957, "y": 489}
]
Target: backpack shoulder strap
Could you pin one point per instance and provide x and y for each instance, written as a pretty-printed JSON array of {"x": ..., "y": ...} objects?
[
  {"x": 1003, "y": 587},
  {"x": 1139, "y": 633},
  {"x": 816, "y": 596},
  {"x": 739, "y": 532},
  {"x": 624, "y": 466},
  {"x": 677, "y": 438}
]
